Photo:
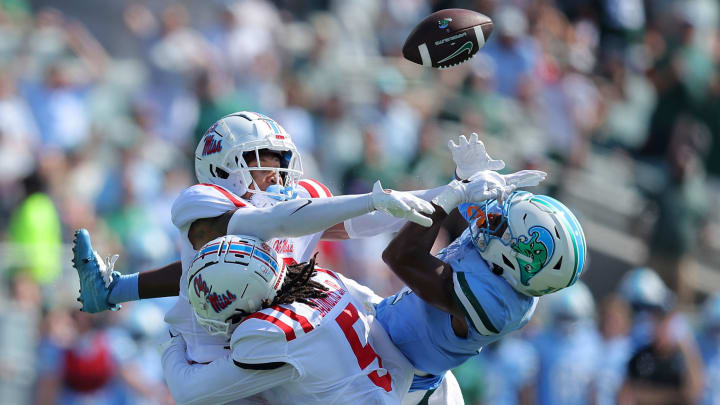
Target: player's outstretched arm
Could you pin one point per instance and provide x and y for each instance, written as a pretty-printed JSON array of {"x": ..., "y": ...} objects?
[
  {"x": 307, "y": 216},
  {"x": 376, "y": 222},
  {"x": 161, "y": 282},
  {"x": 218, "y": 382}
]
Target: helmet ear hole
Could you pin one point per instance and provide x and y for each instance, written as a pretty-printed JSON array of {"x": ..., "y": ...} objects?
[
  {"x": 221, "y": 173},
  {"x": 508, "y": 262},
  {"x": 558, "y": 264}
]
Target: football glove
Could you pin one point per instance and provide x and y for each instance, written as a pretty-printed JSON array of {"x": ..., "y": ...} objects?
[
  {"x": 486, "y": 185},
  {"x": 401, "y": 205},
  {"x": 471, "y": 157}
]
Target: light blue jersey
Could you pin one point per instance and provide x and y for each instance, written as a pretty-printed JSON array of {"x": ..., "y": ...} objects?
[
  {"x": 492, "y": 308},
  {"x": 568, "y": 365},
  {"x": 710, "y": 352},
  {"x": 508, "y": 367},
  {"x": 612, "y": 369}
]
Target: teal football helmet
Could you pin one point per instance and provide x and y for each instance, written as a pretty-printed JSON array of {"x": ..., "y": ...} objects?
[{"x": 535, "y": 239}]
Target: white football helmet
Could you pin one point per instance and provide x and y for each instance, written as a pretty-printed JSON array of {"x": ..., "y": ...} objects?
[
  {"x": 230, "y": 278},
  {"x": 534, "y": 239},
  {"x": 575, "y": 303},
  {"x": 643, "y": 288},
  {"x": 220, "y": 157}
]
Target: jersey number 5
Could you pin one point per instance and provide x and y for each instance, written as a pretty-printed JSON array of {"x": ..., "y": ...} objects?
[{"x": 364, "y": 353}]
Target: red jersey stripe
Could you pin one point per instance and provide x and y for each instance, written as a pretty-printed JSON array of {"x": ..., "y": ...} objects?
[
  {"x": 321, "y": 270},
  {"x": 310, "y": 189},
  {"x": 307, "y": 327},
  {"x": 289, "y": 332},
  {"x": 323, "y": 187},
  {"x": 227, "y": 194},
  {"x": 315, "y": 188}
]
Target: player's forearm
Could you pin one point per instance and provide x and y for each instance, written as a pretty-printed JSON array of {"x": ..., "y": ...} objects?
[
  {"x": 376, "y": 223},
  {"x": 414, "y": 242},
  {"x": 219, "y": 382},
  {"x": 298, "y": 217},
  {"x": 162, "y": 282},
  {"x": 408, "y": 256}
]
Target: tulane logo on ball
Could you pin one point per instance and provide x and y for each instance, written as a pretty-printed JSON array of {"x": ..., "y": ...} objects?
[
  {"x": 442, "y": 24},
  {"x": 534, "y": 252}
]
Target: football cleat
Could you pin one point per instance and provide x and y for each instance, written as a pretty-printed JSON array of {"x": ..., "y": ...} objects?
[{"x": 97, "y": 278}]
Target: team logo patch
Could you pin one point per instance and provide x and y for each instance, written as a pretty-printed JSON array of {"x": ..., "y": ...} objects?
[
  {"x": 537, "y": 250},
  {"x": 442, "y": 24},
  {"x": 212, "y": 145}
]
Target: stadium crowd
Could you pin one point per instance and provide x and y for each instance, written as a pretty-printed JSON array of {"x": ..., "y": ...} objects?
[{"x": 619, "y": 100}]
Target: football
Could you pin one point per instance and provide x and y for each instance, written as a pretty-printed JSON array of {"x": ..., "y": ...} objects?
[{"x": 447, "y": 38}]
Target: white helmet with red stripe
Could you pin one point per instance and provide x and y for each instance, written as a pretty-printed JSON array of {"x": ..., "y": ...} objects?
[
  {"x": 231, "y": 277},
  {"x": 222, "y": 154}
]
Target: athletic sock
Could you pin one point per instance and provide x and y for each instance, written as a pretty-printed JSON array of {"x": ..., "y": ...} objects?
[{"x": 126, "y": 289}]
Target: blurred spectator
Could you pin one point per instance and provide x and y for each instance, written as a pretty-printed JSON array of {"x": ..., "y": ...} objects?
[
  {"x": 81, "y": 363},
  {"x": 683, "y": 205},
  {"x": 568, "y": 348},
  {"x": 709, "y": 344},
  {"x": 504, "y": 374},
  {"x": 217, "y": 98},
  {"x": 647, "y": 295},
  {"x": 19, "y": 318},
  {"x": 35, "y": 229},
  {"x": 616, "y": 348},
  {"x": 514, "y": 51},
  {"x": 666, "y": 371},
  {"x": 360, "y": 177},
  {"x": 19, "y": 134}
]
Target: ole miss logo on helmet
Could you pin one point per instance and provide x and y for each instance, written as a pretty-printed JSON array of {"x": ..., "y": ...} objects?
[
  {"x": 212, "y": 145},
  {"x": 218, "y": 302}
]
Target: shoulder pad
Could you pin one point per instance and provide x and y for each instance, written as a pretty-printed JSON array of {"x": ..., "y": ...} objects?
[{"x": 204, "y": 201}]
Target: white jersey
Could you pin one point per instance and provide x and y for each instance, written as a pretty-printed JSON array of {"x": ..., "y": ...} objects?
[
  {"x": 341, "y": 355},
  {"x": 209, "y": 201}
]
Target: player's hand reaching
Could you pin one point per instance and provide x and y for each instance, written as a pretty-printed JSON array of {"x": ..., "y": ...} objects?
[
  {"x": 401, "y": 205},
  {"x": 486, "y": 185},
  {"x": 471, "y": 157}
]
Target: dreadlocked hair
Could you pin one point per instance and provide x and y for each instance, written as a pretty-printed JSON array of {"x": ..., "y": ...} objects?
[{"x": 298, "y": 286}]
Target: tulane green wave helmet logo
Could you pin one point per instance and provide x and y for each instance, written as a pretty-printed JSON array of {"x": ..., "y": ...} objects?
[
  {"x": 442, "y": 24},
  {"x": 536, "y": 252}
]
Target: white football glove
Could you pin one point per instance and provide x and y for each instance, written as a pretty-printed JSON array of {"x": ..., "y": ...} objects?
[
  {"x": 486, "y": 185},
  {"x": 471, "y": 157},
  {"x": 401, "y": 205}
]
